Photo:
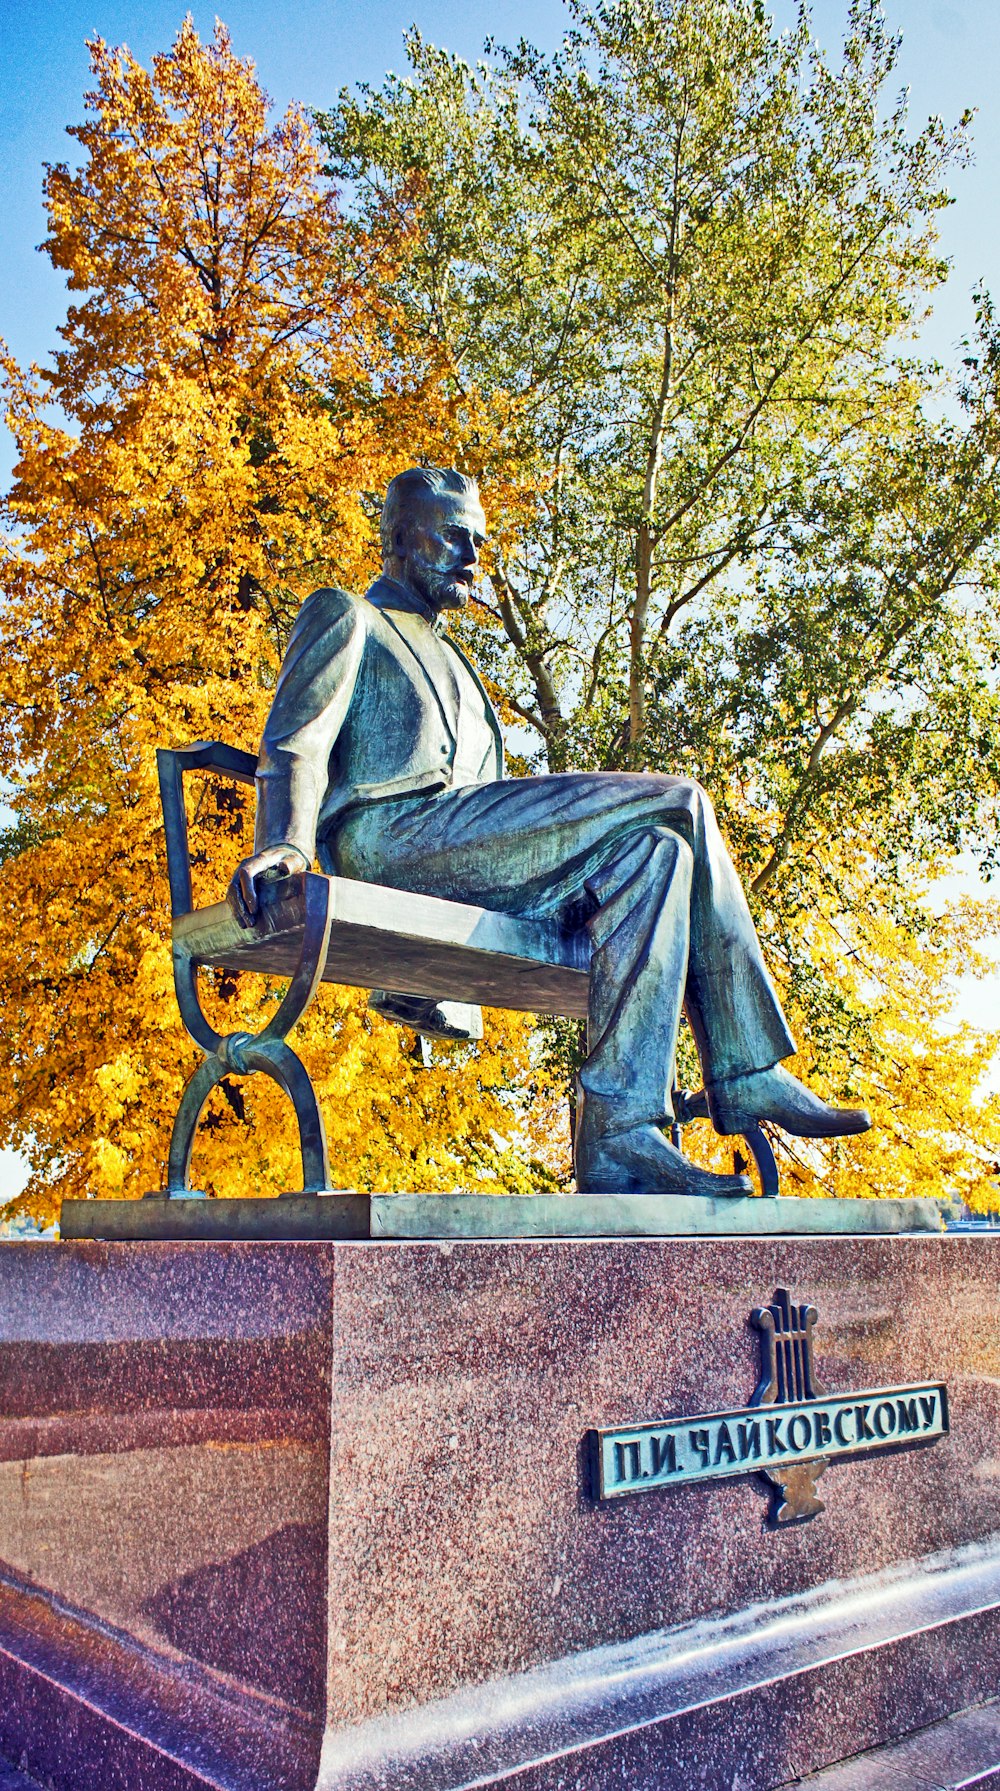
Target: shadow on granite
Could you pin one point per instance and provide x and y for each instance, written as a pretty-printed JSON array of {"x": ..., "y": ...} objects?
[
  {"x": 12, "y": 1780},
  {"x": 164, "y": 1459},
  {"x": 284, "y": 1656}
]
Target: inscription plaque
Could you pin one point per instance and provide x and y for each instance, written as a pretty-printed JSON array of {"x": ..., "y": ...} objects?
[{"x": 790, "y": 1431}]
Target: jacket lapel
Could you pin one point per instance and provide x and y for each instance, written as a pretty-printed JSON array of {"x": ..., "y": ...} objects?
[
  {"x": 384, "y": 596},
  {"x": 381, "y": 597},
  {"x": 488, "y": 708}
]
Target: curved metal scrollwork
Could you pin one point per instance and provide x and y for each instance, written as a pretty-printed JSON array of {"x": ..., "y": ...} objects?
[
  {"x": 759, "y": 1146},
  {"x": 688, "y": 1106},
  {"x": 241, "y": 1054},
  {"x": 244, "y": 1054}
]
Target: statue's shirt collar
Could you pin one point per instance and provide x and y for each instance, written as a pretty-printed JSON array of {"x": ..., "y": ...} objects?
[{"x": 387, "y": 593}]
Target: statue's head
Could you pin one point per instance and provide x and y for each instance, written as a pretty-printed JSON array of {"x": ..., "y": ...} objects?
[{"x": 432, "y": 531}]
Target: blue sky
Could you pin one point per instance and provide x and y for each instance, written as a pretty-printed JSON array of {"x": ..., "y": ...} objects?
[{"x": 308, "y": 49}]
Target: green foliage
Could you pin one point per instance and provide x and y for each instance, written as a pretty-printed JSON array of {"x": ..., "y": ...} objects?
[{"x": 677, "y": 269}]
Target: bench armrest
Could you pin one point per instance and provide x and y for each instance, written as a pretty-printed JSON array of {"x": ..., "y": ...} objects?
[{"x": 171, "y": 765}]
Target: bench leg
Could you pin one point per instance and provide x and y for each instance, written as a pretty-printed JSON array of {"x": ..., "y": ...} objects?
[
  {"x": 695, "y": 1106},
  {"x": 243, "y": 1054},
  {"x": 759, "y": 1146},
  {"x": 196, "y": 1093}
]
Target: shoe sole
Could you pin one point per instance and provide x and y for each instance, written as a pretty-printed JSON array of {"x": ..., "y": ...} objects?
[
  {"x": 742, "y": 1188},
  {"x": 737, "y": 1127}
]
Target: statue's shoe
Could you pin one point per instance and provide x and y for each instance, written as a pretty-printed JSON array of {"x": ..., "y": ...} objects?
[
  {"x": 742, "y": 1101},
  {"x": 642, "y": 1161},
  {"x": 454, "y": 1021}
]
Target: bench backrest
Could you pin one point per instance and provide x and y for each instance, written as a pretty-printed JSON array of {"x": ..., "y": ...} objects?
[{"x": 171, "y": 764}]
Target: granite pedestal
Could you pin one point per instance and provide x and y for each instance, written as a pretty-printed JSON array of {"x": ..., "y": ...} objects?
[{"x": 287, "y": 1516}]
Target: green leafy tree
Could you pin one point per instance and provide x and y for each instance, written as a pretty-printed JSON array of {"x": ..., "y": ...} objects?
[{"x": 673, "y": 274}]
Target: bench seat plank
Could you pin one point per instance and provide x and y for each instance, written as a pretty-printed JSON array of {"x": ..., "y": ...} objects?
[{"x": 393, "y": 939}]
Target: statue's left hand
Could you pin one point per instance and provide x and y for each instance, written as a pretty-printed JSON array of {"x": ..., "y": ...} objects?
[{"x": 274, "y": 861}]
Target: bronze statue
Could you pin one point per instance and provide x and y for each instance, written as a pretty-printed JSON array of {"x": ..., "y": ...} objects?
[{"x": 383, "y": 757}]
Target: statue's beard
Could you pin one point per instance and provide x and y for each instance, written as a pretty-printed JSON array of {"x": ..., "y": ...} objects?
[{"x": 442, "y": 590}]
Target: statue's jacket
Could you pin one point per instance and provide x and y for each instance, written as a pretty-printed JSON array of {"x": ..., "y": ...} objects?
[{"x": 371, "y": 704}]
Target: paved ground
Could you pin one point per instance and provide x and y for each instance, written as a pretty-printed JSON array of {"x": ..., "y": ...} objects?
[{"x": 960, "y": 1754}]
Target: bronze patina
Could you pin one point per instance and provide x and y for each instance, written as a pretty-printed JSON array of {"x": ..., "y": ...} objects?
[{"x": 382, "y": 757}]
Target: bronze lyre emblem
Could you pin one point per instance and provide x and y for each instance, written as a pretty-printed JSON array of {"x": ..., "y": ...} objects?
[{"x": 788, "y": 1377}]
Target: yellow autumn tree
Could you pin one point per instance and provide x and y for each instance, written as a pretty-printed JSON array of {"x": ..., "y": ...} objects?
[
  {"x": 228, "y": 398},
  {"x": 923, "y": 1075}
]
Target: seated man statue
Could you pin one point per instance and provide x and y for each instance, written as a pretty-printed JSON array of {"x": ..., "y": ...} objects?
[{"x": 382, "y": 755}]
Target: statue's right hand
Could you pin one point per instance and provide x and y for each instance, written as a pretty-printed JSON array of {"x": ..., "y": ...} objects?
[{"x": 274, "y": 861}]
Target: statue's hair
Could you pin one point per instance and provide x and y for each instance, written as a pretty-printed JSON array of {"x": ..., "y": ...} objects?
[{"x": 417, "y": 482}]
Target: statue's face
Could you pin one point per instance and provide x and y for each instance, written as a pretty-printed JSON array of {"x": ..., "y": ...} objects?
[{"x": 439, "y": 545}]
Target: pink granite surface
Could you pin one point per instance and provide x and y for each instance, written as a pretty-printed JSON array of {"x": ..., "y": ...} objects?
[
  {"x": 770, "y": 1738},
  {"x": 163, "y": 1492},
  {"x": 252, "y": 1491},
  {"x": 463, "y": 1545},
  {"x": 952, "y": 1755}
]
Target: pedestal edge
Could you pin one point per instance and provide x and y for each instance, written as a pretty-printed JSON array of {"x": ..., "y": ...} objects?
[{"x": 351, "y": 1216}]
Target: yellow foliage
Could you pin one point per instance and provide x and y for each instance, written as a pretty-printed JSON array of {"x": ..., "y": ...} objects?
[
  {"x": 934, "y": 1131},
  {"x": 219, "y": 450},
  {"x": 234, "y": 390}
]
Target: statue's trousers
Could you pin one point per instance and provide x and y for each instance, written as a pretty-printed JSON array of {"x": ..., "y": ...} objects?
[{"x": 637, "y": 858}]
